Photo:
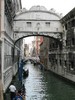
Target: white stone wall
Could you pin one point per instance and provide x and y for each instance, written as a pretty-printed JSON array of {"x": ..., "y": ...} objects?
[
  {"x": 55, "y": 26},
  {"x": 7, "y": 77},
  {"x": 8, "y": 70},
  {"x": 41, "y": 15},
  {"x": 38, "y": 23},
  {"x": 7, "y": 27}
]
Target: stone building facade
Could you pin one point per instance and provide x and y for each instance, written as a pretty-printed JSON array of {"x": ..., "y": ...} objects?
[
  {"x": 61, "y": 54},
  {"x": 44, "y": 48},
  {"x": 68, "y": 22},
  {"x": 7, "y": 51},
  {"x": 38, "y": 41}
]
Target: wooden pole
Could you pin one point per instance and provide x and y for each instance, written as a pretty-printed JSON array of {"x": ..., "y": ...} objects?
[{"x": 1, "y": 90}]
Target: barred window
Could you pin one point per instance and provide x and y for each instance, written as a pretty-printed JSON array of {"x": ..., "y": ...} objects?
[
  {"x": 29, "y": 24},
  {"x": 47, "y": 24}
]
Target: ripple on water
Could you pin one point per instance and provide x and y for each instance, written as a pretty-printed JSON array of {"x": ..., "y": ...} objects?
[{"x": 44, "y": 86}]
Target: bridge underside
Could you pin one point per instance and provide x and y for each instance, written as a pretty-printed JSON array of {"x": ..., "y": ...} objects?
[{"x": 21, "y": 34}]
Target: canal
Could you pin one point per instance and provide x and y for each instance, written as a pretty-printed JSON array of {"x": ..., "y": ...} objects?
[{"x": 43, "y": 85}]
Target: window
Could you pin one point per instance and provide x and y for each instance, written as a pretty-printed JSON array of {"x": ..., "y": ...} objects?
[
  {"x": 73, "y": 23},
  {"x": 60, "y": 62},
  {"x": 72, "y": 64},
  {"x": 47, "y": 24},
  {"x": 72, "y": 41},
  {"x": 56, "y": 61},
  {"x": 66, "y": 26},
  {"x": 69, "y": 24},
  {"x": 65, "y": 62},
  {"x": 7, "y": 54},
  {"x": 28, "y": 24}
]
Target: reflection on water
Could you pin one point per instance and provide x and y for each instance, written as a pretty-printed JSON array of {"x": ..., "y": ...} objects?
[{"x": 42, "y": 85}]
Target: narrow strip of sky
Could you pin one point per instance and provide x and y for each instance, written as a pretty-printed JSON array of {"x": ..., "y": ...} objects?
[
  {"x": 61, "y": 6},
  {"x": 28, "y": 40}
]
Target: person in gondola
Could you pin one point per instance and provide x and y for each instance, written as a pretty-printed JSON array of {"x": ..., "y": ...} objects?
[{"x": 19, "y": 95}]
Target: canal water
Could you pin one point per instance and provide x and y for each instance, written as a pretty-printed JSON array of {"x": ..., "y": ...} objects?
[{"x": 43, "y": 85}]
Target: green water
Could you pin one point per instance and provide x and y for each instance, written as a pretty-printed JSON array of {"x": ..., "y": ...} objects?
[{"x": 42, "y": 85}]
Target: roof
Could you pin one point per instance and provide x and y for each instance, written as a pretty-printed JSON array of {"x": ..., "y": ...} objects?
[{"x": 38, "y": 7}]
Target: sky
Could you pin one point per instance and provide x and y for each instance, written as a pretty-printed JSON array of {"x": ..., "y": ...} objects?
[
  {"x": 60, "y": 6},
  {"x": 28, "y": 40}
]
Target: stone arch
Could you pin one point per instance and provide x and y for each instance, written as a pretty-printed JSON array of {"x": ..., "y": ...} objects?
[{"x": 26, "y": 23}]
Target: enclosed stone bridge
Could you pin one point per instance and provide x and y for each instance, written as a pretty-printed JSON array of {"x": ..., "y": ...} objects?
[{"x": 37, "y": 21}]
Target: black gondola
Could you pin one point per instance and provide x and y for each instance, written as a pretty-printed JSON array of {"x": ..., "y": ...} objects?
[{"x": 25, "y": 73}]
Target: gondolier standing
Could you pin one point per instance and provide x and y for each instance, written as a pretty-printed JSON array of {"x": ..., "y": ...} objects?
[{"x": 12, "y": 91}]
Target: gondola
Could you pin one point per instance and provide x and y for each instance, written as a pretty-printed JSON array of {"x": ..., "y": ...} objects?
[{"x": 25, "y": 73}]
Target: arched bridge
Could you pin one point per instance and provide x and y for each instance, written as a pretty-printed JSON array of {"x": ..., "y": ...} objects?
[
  {"x": 37, "y": 22},
  {"x": 32, "y": 59},
  {"x": 35, "y": 61}
]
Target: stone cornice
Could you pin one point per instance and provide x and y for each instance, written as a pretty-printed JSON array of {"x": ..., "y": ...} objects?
[
  {"x": 23, "y": 12},
  {"x": 33, "y": 20},
  {"x": 68, "y": 16}
]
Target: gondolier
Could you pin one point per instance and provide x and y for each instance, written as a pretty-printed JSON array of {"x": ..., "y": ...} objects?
[{"x": 12, "y": 91}]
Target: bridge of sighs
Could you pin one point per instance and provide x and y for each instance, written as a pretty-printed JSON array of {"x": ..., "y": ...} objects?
[{"x": 37, "y": 21}]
